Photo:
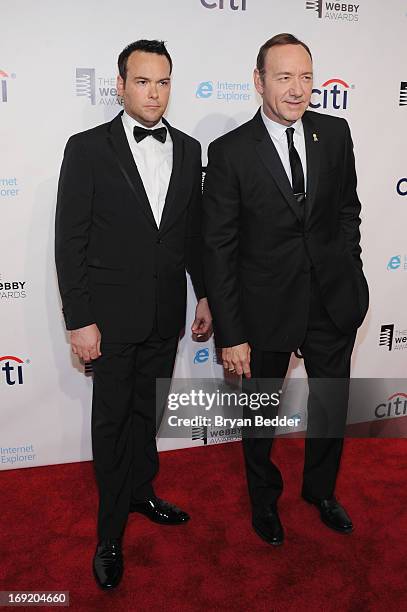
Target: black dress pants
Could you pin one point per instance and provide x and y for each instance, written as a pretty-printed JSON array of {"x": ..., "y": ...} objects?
[
  {"x": 327, "y": 354},
  {"x": 124, "y": 425}
]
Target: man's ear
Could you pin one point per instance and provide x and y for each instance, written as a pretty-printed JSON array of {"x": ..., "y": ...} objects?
[
  {"x": 258, "y": 81},
  {"x": 120, "y": 85}
]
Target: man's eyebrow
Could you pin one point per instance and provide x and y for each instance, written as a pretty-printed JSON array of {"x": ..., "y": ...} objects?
[
  {"x": 143, "y": 78},
  {"x": 290, "y": 73}
]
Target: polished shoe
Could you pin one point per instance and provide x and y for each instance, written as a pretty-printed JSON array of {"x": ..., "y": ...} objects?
[
  {"x": 332, "y": 514},
  {"x": 160, "y": 511},
  {"x": 266, "y": 523},
  {"x": 108, "y": 563}
]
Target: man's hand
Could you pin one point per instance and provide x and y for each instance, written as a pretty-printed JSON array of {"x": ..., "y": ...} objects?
[
  {"x": 202, "y": 326},
  {"x": 236, "y": 359},
  {"x": 85, "y": 342}
]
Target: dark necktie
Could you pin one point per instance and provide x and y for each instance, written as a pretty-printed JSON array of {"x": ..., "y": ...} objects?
[
  {"x": 159, "y": 134},
  {"x": 297, "y": 172}
]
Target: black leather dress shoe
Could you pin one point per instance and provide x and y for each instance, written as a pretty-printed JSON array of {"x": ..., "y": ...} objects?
[
  {"x": 332, "y": 514},
  {"x": 108, "y": 563},
  {"x": 266, "y": 523},
  {"x": 160, "y": 511}
]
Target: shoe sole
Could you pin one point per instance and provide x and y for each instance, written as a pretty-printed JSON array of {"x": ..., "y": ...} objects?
[
  {"x": 158, "y": 521},
  {"x": 265, "y": 539}
]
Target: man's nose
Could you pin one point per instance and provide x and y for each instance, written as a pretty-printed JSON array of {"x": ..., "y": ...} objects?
[
  {"x": 153, "y": 91},
  {"x": 296, "y": 88}
]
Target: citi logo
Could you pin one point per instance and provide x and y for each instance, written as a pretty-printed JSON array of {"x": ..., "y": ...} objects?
[
  {"x": 396, "y": 406},
  {"x": 201, "y": 356},
  {"x": 235, "y": 5},
  {"x": 12, "y": 370},
  {"x": 333, "y": 94},
  {"x": 3, "y": 82},
  {"x": 403, "y": 93},
  {"x": 402, "y": 187}
]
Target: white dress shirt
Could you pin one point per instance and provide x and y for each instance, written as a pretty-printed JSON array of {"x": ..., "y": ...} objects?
[
  {"x": 154, "y": 163},
  {"x": 279, "y": 137}
]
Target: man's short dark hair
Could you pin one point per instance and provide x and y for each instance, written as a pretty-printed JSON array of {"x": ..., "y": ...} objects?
[
  {"x": 148, "y": 46},
  {"x": 278, "y": 39}
]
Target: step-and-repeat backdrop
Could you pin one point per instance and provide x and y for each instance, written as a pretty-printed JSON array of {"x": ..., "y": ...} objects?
[{"x": 58, "y": 77}]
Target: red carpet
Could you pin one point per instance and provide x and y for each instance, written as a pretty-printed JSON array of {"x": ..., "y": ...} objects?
[{"x": 216, "y": 562}]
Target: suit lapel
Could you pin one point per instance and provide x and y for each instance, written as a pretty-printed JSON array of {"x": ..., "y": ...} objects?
[
  {"x": 177, "y": 161},
  {"x": 117, "y": 141},
  {"x": 312, "y": 147},
  {"x": 271, "y": 160}
]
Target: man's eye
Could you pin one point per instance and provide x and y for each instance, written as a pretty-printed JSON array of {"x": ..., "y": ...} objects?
[{"x": 141, "y": 82}]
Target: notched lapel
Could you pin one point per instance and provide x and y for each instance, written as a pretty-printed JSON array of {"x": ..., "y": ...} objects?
[
  {"x": 117, "y": 141},
  {"x": 177, "y": 162},
  {"x": 271, "y": 160},
  {"x": 312, "y": 148}
]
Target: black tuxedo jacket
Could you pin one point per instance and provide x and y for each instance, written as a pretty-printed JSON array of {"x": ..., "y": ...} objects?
[
  {"x": 258, "y": 249},
  {"x": 115, "y": 267}
]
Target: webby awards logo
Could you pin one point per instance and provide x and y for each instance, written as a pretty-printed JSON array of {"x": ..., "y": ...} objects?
[
  {"x": 393, "y": 339},
  {"x": 99, "y": 90},
  {"x": 338, "y": 11}
]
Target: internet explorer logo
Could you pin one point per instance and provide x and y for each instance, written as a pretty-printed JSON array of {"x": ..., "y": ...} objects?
[
  {"x": 394, "y": 263},
  {"x": 204, "y": 90},
  {"x": 201, "y": 356}
]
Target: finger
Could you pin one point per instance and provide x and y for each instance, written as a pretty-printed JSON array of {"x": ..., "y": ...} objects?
[
  {"x": 93, "y": 354},
  {"x": 225, "y": 364},
  {"x": 79, "y": 352},
  {"x": 86, "y": 355},
  {"x": 246, "y": 370},
  {"x": 195, "y": 325},
  {"x": 98, "y": 348},
  {"x": 74, "y": 349},
  {"x": 239, "y": 369}
]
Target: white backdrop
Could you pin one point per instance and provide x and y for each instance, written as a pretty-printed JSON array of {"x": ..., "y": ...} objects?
[{"x": 57, "y": 77}]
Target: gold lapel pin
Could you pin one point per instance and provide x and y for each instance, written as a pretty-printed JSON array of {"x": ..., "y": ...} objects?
[{"x": 315, "y": 137}]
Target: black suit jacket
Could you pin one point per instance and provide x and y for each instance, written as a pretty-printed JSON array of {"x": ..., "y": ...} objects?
[
  {"x": 115, "y": 267},
  {"x": 258, "y": 250}
]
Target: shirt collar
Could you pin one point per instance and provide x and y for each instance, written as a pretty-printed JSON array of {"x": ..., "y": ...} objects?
[
  {"x": 130, "y": 123},
  {"x": 277, "y": 130}
]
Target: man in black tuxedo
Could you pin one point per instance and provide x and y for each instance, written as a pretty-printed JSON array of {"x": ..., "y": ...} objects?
[
  {"x": 283, "y": 267},
  {"x": 127, "y": 226}
]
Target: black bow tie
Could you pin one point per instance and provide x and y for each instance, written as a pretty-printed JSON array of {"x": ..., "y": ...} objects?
[{"x": 159, "y": 134}]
